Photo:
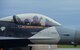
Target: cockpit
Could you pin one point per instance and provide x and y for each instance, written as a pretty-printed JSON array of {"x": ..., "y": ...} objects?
[{"x": 31, "y": 20}]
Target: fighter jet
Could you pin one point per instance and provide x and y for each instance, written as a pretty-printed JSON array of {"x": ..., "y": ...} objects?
[{"x": 31, "y": 28}]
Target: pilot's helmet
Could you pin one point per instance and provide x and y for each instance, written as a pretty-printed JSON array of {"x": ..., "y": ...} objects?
[
  {"x": 35, "y": 18},
  {"x": 26, "y": 20}
]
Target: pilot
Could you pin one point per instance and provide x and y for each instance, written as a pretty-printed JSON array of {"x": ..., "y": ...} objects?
[
  {"x": 27, "y": 21},
  {"x": 36, "y": 21}
]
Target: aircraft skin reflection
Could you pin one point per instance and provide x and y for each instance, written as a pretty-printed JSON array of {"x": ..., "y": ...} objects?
[{"x": 32, "y": 28}]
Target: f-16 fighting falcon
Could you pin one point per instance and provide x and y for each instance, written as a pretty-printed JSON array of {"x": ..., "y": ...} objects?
[{"x": 31, "y": 28}]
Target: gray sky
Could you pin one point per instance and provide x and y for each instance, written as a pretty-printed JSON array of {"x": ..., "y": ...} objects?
[{"x": 67, "y": 12}]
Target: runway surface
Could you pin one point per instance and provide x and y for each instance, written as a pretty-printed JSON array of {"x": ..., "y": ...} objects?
[{"x": 68, "y": 48}]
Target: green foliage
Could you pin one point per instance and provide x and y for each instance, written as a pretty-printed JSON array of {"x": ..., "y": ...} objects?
[{"x": 68, "y": 46}]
